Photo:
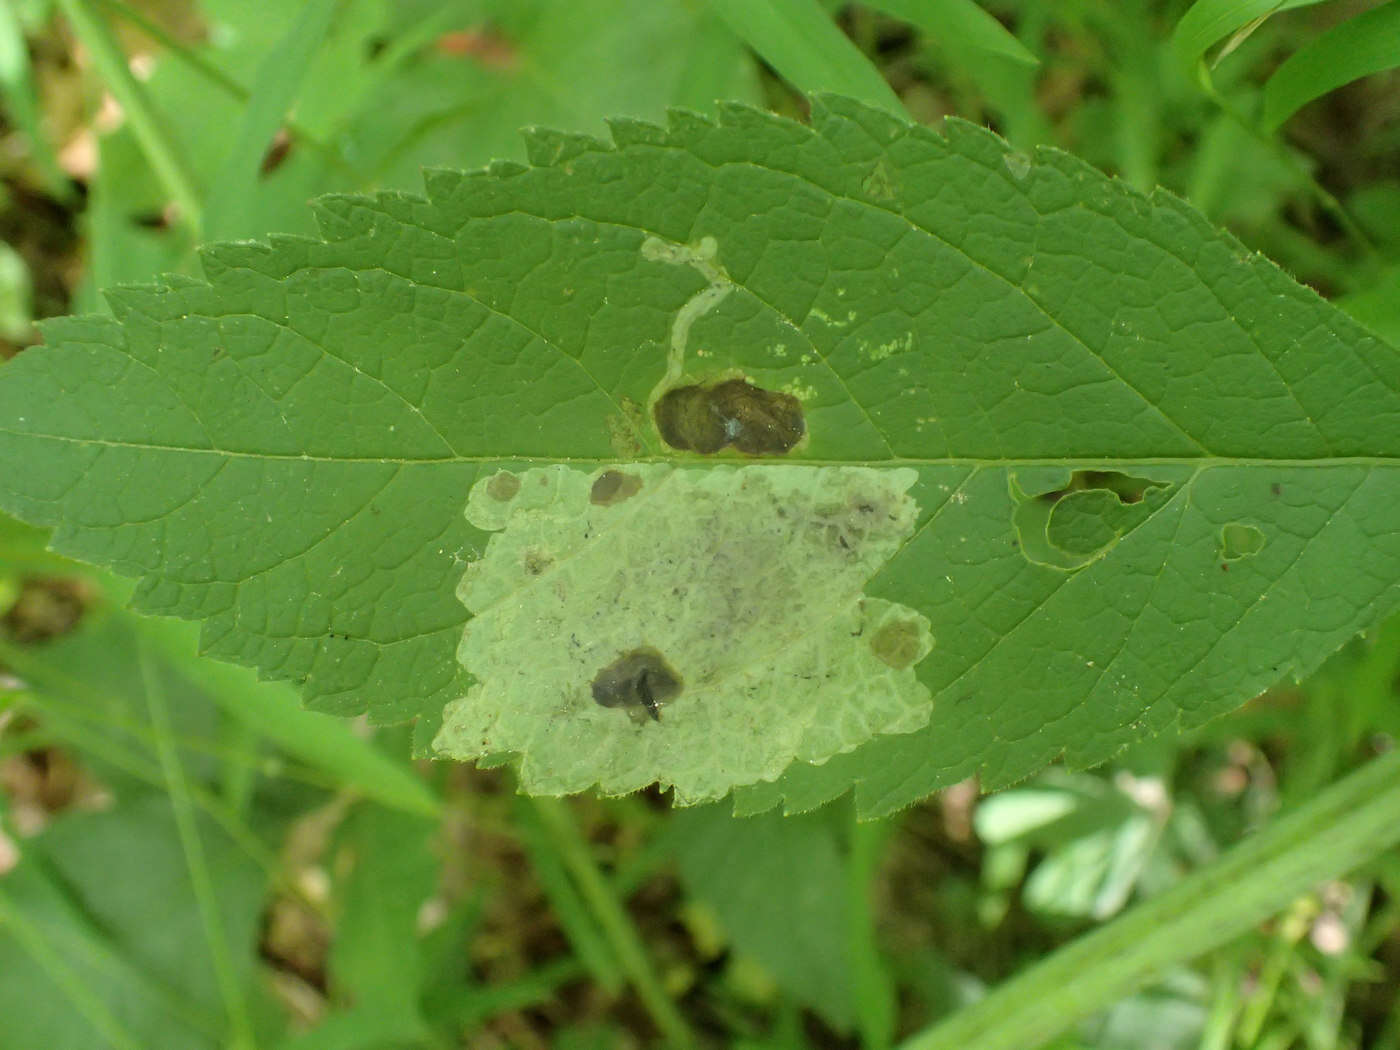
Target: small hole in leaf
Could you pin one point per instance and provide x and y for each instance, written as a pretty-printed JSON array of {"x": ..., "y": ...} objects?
[
  {"x": 1238, "y": 540},
  {"x": 1081, "y": 521}
]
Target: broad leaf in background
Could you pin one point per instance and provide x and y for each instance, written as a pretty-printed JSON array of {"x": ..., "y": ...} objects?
[
  {"x": 101, "y": 908},
  {"x": 799, "y": 935},
  {"x": 1155, "y": 475}
]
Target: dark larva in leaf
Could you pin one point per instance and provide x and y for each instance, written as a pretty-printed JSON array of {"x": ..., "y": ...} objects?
[{"x": 641, "y": 678}]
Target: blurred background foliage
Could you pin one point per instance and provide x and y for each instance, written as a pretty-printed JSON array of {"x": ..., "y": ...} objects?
[{"x": 188, "y": 859}]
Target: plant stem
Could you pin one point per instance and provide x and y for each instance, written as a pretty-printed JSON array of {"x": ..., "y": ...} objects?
[
  {"x": 149, "y": 127},
  {"x": 1343, "y": 827},
  {"x": 613, "y": 919}
]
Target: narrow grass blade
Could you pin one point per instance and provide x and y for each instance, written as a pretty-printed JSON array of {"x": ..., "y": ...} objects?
[
  {"x": 195, "y": 59},
  {"x": 21, "y": 100},
  {"x": 579, "y": 925},
  {"x": 235, "y": 1005},
  {"x": 279, "y": 78},
  {"x": 149, "y": 126},
  {"x": 875, "y": 996},
  {"x": 799, "y": 40},
  {"x": 274, "y": 711},
  {"x": 1207, "y": 22},
  {"x": 613, "y": 919},
  {"x": 69, "y": 726},
  {"x": 1345, "y": 826},
  {"x": 1366, "y": 44},
  {"x": 959, "y": 25}
]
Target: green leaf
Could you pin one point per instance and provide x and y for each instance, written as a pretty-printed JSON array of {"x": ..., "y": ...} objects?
[
  {"x": 798, "y": 935},
  {"x": 70, "y": 986},
  {"x": 1207, "y": 22},
  {"x": 960, "y": 25},
  {"x": 105, "y": 911},
  {"x": 799, "y": 40},
  {"x": 1378, "y": 306},
  {"x": 762, "y": 637},
  {"x": 376, "y": 961},
  {"x": 286, "y": 451},
  {"x": 1360, "y": 46},
  {"x": 388, "y": 92}
]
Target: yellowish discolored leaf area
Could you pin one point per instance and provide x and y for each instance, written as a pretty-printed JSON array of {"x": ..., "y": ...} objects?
[{"x": 697, "y": 627}]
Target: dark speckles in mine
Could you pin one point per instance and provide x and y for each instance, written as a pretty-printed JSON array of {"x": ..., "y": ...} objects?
[
  {"x": 639, "y": 679},
  {"x": 735, "y": 413}
]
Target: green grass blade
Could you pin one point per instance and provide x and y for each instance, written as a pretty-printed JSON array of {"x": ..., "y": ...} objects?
[
  {"x": 230, "y": 989},
  {"x": 149, "y": 127},
  {"x": 874, "y": 995},
  {"x": 799, "y": 40},
  {"x": 210, "y": 71},
  {"x": 610, "y": 915},
  {"x": 1348, "y": 824},
  {"x": 570, "y": 910},
  {"x": 1366, "y": 44},
  {"x": 274, "y": 711},
  {"x": 1207, "y": 22},
  {"x": 69, "y": 726},
  {"x": 21, "y": 100},
  {"x": 959, "y": 25},
  {"x": 476, "y": 1005},
  {"x": 279, "y": 78}
]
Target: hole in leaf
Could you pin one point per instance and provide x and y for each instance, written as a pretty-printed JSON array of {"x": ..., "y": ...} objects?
[
  {"x": 640, "y": 680},
  {"x": 1078, "y": 522},
  {"x": 1238, "y": 540},
  {"x": 736, "y": 413}
]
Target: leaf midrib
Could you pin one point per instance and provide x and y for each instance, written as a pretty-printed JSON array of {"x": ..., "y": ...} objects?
[{"x": 1200, "y": 463}]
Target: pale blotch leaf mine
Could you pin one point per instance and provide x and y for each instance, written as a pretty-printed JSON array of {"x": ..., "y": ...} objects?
[{"x": 747, "y": 581}]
